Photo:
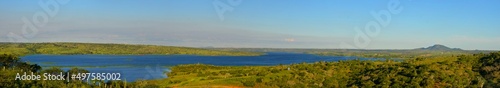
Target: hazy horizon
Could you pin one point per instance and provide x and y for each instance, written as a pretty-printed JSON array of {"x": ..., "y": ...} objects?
[{"x": 332, "y": 24}]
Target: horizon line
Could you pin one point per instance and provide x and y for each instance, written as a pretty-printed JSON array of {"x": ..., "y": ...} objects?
[{"x": 211, "y": 47}]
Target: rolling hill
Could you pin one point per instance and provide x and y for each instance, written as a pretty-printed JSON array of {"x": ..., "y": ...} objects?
[
  {"x": 439, "y": 47},
  {"x": 113, "y": 49}
]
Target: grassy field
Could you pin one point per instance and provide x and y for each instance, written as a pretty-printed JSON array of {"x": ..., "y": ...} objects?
[{"x": 109, "y": 49}]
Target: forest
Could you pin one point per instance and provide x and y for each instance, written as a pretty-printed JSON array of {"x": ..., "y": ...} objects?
[
  {"x": 22, "y": 49},
  {"x": 468, "y": 70}
]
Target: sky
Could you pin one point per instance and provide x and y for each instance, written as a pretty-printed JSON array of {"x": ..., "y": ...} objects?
[{"x": 331, "y": 24}]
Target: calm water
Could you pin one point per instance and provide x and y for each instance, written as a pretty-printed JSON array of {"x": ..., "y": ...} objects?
[{"x": 133, "y": 67}]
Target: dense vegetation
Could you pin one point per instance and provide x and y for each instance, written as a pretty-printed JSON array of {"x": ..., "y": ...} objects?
[
  {"x": 122, "y": 49},
  {"x": 11, "y": 65},
  {"x": 475, "y": 70}
]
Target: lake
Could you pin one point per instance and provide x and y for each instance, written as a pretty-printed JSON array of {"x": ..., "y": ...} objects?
[{"x": 133, "y": 67}]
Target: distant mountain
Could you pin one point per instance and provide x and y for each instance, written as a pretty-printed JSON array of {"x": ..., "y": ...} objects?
[{"x": 438, "y": 47}]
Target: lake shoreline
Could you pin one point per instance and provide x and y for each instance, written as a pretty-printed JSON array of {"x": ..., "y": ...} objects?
[{"x": 141, "y": 64}]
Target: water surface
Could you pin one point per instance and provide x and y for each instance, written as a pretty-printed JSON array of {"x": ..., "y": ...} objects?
[{"x": 133, "y": 67}]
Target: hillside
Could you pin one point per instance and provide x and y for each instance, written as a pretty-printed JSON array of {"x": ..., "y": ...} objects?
[
  {"x": 115, "y": 49},
  {"x": 439, "y": 47}
]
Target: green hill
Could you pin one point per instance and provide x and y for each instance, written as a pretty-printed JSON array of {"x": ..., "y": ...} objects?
[
  {"x": 115, "y": 49},
  {"x": 439, "y": 47}
]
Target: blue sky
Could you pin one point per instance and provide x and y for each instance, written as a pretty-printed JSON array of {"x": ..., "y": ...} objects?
[{"x": 259, "y": 23}]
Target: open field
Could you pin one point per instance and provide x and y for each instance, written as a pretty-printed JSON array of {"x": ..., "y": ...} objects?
[{"x": 109, "y": 49}]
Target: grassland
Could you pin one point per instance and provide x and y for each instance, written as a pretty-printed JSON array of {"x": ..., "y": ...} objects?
[{"x": 109, "y": 49}]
